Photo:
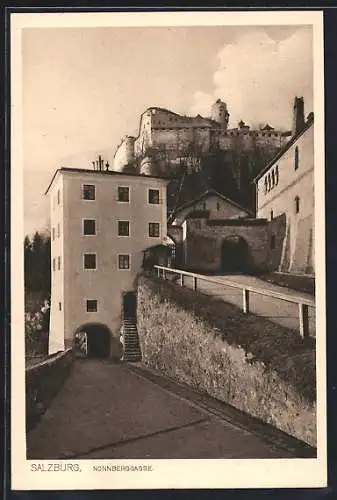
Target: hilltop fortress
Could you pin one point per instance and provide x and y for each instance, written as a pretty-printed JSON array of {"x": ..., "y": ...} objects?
[{"x": 167, "y": 140}]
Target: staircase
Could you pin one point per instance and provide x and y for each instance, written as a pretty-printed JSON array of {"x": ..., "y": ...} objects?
[{"x": 132, "y": 352}]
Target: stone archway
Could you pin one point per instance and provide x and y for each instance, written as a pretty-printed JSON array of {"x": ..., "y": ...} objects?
[
  {"x": 234, "y": 255},
  {"x": 96, "y": 339}
]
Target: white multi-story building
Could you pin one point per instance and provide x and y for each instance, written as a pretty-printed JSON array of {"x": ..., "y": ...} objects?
[
  {"x": 285, "y": 196},
  {"x": 101, "y": 223}
]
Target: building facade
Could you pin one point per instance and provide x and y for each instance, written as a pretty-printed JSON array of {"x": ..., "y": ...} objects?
[
  {"x": 101, "y": 223},
  {"x": 285, "y": 196}
]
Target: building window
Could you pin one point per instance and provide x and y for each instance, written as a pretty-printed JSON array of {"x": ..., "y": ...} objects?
[
  {"x": 53, "y": 233},
  {"x": 123, "y": 194},
  {"x": 269, "y": 182},
  {"x": 89, "y": 261},
  {"x": 60, "y": 306},
  {"x": 89, "y": 192},
  {"x": 123, "y": 228},
  {"x": 58, "y": 197},
  {"x": 218, "y": 206},
  {"x": 272, "y": 241},
  {"x": 54, "y": 264},
  {"x": 265, "y": 185},
  {"x": 154, "y": 229},
  {"x": 297, "y": 205},
  {"x": 123, "y": 261},
  {"x": 276, "y": 175},
  {"x": 204, "y": 205},
  {"x": 89, "y": 227},
  {"x": 92, "y": 305},
  {"x": 154, "y": 196},
  {"x": 272, "y": 178},
  {"x": 58, "y": 230},
  {"x": 296, "y": 158},
  {"x": 271, "y": 215}
]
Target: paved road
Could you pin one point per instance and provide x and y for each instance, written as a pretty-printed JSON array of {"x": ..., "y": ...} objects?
[
  {"x": 277, "y": 311},
  {"x": 108, "y": 410}
]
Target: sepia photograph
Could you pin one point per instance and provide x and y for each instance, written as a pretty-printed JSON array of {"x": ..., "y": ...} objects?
[{"x": 168, "y": 248}]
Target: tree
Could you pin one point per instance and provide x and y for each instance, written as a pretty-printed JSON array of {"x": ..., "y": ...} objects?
[{"x": 37, "y": 263}]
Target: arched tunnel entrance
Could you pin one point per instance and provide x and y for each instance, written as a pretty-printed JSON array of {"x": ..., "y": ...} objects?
[
  {"x": 93, "y": 340},
  {"x": 234, "y": 255}
]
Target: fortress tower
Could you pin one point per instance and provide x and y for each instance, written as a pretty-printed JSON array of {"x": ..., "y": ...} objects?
[{"x": 219, "y": 113}]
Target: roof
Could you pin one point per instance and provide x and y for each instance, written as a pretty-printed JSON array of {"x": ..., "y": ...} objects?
[
  {"x": 183, "y": 117},
  {"x": 101, "y": 172},
  {"x": 285, "y": 148},
  {"x": 160, "y": 109},
  {"x": 237, "y": 222},
  {"x": 206, "y": 194}
]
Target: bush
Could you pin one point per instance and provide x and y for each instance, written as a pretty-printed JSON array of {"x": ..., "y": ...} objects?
[{"x": 37, "y": 329}]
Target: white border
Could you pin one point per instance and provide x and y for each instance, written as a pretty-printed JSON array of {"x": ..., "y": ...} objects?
[{"x": 167, "y": 473}]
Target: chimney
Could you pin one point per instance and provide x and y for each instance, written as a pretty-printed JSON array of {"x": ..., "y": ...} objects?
[{"x": 298, "y": 115}]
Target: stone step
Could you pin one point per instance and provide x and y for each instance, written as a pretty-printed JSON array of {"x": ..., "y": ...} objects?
[
  {"x": 135, "y": 354},
  {"x": 132, "y": 351}
]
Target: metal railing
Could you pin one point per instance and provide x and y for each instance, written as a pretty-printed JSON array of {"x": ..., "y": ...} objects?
[{"x": 302, "y": 302}]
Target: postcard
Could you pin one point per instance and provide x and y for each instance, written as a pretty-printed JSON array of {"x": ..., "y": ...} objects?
[{"x": 167, "y": 250}]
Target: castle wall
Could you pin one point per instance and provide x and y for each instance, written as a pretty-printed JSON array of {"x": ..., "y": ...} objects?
[
  {"x": 181, "y": 139},
  {"x": 143, "y": 140},
  {"x": 125, "y": 154},
  {"x": 176, "y": 136},
  {"x": 204, "y": 241}
]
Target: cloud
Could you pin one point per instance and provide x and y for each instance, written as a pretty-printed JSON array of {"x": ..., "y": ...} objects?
[{"x": 258, "y": 77}]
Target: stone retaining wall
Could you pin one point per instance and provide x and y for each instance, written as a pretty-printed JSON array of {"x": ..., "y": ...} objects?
[
  {"x": 43, "y": 381},
  {"x": 246, "y": 361}
]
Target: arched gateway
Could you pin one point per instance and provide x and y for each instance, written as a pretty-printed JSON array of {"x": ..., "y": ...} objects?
[
  {"x": 93, "y": 340},
  {"x": 234, "y": 254}
]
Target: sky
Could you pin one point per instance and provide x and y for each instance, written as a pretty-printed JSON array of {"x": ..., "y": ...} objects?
[{"x": 85, "y": 88}]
